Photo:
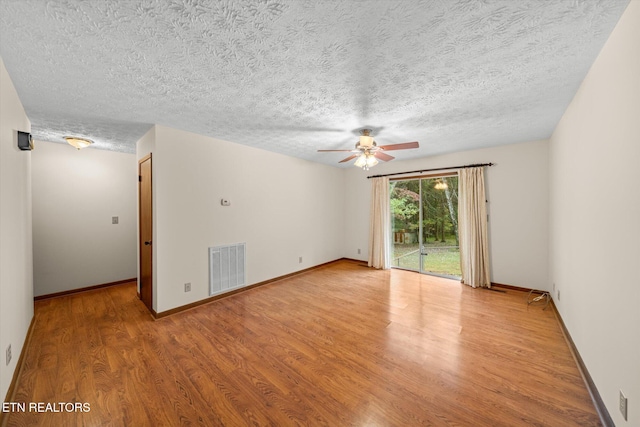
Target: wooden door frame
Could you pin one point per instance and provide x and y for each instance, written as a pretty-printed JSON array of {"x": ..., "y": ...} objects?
[{"x": 149, "y": 303}]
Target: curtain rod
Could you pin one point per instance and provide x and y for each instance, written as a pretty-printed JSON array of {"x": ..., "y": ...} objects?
[{"x": 476, "y": 165}]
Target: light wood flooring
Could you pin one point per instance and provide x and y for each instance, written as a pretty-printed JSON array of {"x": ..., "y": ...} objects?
[{"x": 342, "y": 345}]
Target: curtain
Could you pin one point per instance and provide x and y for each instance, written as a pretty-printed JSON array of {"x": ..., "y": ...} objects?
[
  {"x": 472, "y": 228},
  {"x": 379, "y": 224}
]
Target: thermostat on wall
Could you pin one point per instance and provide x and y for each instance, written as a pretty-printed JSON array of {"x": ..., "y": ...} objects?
[
  {"x": 225, "y": 202},
  {"x": 25, "y": 141}
]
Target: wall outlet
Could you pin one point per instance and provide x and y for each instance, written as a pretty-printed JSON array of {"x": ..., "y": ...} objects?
[
  {"x": 300, "y": 260},
  {"x": 358, "y": 251},
  {"x": 558, "y": 294},
  {"x": 623, "y": 405},
  {"x": 114, "y": 220},
  {"x": 554, "y": 286},
  {"x": 8, "y": 354},
  {"x": 187, "y": 287}
]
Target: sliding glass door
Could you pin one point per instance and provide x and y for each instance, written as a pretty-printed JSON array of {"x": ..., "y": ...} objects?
[{"x": 424, "y": 215}]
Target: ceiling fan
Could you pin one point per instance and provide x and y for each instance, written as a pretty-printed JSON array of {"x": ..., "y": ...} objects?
[{"x": 368, "y": 152}]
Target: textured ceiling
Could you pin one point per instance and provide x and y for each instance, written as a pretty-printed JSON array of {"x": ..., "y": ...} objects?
[{"x": 293, "y": 76}]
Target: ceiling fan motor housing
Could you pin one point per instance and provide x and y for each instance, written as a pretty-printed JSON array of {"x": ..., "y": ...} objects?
[
  {"x": 361, "y": 145},
  {"x": 366, "y": 140}
]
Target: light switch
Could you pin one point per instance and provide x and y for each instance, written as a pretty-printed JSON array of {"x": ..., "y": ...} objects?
[{"x": 114, "y": 220}]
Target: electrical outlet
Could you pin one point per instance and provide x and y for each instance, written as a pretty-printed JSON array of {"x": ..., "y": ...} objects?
[
  {"x": 558, "y": 293},
  {"x": 114, "y": 220},
  {"x": 8, "y": 354},
  {"x": 358, "y": 251},
  {"x": 300, "y": 260},
  {"x": 187, "y": 287},
  {"x": 623, "y": 405}
]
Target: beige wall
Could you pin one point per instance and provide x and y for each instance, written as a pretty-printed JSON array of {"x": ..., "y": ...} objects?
[
  {"x": 517, "y": 190},
  {"x": 283, "y": 208},
  {"x": 75, "y": 195},
  {"x": 595, "y": 217},
  {"x": 16, "y": 275}
]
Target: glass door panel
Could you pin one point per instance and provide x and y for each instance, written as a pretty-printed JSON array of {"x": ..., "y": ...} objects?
[
  {"x": 440, "y": 245},
  {"x": 405, "y": 224}
]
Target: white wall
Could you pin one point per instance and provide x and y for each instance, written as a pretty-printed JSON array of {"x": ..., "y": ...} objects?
[
  {"x": 75, "y": 194},
  {"x": 595, "y": 217},
  {"x": 282, "y": 207},
  {"x": 517, "y": 190},
  {"x": 16, "y": 276}
]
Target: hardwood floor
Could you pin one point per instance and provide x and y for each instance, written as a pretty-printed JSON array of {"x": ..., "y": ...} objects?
[{"x": 340, "y": 345}]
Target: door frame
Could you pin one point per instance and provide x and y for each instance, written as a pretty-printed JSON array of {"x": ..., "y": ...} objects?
[
  {"x": 421, "y": 254},
  {"x": 146, "y": 289}
]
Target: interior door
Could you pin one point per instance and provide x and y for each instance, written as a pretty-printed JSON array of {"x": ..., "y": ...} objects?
[
  {"x": 424, "y": 214},
  {"x": 146, "y": 231}
]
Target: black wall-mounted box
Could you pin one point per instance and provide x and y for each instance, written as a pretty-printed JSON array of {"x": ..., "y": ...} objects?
[{"x": 25, "y": 142}]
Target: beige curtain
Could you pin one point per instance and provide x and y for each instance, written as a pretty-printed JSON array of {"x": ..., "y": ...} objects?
[
  {"x": 379, "y": 224},
  {"x": 472, "y": 228}
]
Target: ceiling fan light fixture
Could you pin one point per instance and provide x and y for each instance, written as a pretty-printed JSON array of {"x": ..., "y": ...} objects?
[
  {"x": 366, "y": 161},
  {"x": 361, "y": 161},
  {"x": 78, "y": 142},
  {"x": 371, "y": 161}
]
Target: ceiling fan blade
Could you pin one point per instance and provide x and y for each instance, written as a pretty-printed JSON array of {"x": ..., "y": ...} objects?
[
  {"x": 401, "y": 146},
  {"x": 383, "y": 156},
  {"x": 348, "y": 158},
  {"x": 331, "y": 151}
]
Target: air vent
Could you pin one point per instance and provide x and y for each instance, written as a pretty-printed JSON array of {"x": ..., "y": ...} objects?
[{"x": 226, "y": 268}]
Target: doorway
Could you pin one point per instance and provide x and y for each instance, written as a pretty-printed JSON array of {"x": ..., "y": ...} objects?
[
  {"x": 145, "y": 236},
  {"x": 424, "y": 217}
]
